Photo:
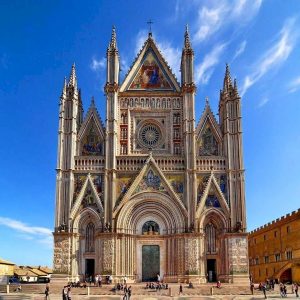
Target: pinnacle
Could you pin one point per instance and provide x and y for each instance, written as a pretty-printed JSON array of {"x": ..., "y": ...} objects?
[
  {"x": 93, "y": 101},
  {"x": 187, "y": 43},
  {"x": 113, "y": 41},
  {"x": 227, "y": 79},
  {"x": 73, "y": 79}
]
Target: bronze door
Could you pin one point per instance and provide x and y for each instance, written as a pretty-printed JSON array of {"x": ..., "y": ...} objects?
[{"x": 150, "y": 262}]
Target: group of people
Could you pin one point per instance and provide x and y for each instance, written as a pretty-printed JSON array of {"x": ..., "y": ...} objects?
[
  {"x": 270, "y": 285},
  {"x": 126, "y": 290},
  {"x": 156, "y": 286},
  {"x": 66, "y": 293}
]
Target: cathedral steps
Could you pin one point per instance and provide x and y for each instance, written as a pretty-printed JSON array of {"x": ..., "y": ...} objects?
[{"x": 137, "y": 289}]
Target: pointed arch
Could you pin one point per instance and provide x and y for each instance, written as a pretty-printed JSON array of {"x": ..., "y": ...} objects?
[
  {"x": 88, "y": 183},
  {"x": 212, "y": 183},
  {"x": 151, "y": 206},
  {"x": 149, "y": 166}
]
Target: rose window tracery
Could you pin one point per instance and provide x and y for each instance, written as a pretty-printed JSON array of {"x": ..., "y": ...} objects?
[{"x": 149, "y": 136}]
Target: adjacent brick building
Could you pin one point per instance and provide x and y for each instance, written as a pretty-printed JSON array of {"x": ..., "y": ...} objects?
[{"x": 274, "y": 249}]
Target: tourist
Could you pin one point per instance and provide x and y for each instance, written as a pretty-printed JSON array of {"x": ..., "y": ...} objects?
[
  {"x": 96, "y": 280},
  {"x": 19, "y": 288},
  {"x": 218, "y": 284},
  {"x": 90, "y": 280},
  {"x": 125, "y": 279},
  {"x": 252, "y": 287},
  {"x": 296, "y": 289},
  {"x": 180, "y": 289},
  {"x": 99, "y": 281},
  {"x": 110, "y": 279},
  {"x": 47, "y": 292},
  {"x": 125, "y": 297},
  {"x": 191, "y": 285},
  {"x": 158, "y": 277},
  {"x": 64, "y": 293},
  {"x": 264, "y": 289},
  {"x": 285, "y": 290},
  {"x": 69, "y": 294},
  {"x": 129, "y": 292}
]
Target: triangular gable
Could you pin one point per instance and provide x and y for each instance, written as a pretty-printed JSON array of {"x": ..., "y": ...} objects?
[
  {"x": 150, "y": 178},
  {"x": 212, "y": 183},
  {"x": 87, "y": 184},
  {"x": 208, "y": 116},
  {"x": 92, "y": 116},
  {"x": 150, "y": 71},
  {"x": 213, "y": 136},
  {"x": 92, "y": 125}
]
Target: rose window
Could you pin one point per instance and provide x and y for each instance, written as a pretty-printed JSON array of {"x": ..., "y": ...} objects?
[{"x": 149, "y": 136}]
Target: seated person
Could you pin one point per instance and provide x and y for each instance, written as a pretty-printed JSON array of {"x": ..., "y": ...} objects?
[
  {"x": 218, "y": 284},
  {"x": 191, "y": 285}
]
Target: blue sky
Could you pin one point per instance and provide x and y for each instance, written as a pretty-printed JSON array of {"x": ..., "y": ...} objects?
[{"x": 41, "y": 39}]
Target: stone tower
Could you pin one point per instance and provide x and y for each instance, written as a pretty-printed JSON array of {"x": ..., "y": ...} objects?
[{"x": 150, "y": 192}]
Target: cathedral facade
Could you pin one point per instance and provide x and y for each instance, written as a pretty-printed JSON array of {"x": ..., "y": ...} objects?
[{"x": 150, "y": 192}]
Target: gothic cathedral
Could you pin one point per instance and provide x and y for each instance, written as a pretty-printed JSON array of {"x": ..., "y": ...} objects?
[{"x": 150, "y": 192}]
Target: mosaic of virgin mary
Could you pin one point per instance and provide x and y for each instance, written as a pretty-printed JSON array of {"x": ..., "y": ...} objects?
[{"x": 150, "y": 76}]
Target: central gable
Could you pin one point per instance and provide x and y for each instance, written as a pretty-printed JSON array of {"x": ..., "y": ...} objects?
[{"x": 150, "y": 72}]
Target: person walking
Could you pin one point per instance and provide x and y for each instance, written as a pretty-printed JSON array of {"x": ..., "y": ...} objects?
[
  {"x": 64, "y": 293},
  {"x": 180, "y": 289},
  {"x": 125, "y": 290},
  {"x": 129, "y": 291},
  {"x": 252, "y": 287},
  {"x": 69, "y": 295},
  {"x": 296, "y": 289},
  {"x": 47, "y": 289},
  {"x": 264, "y": 288}
]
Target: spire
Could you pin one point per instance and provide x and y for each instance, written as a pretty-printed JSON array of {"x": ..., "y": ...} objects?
[
  {"x": 187, "y": 43},
  {"x": 227, "y": 79},
  {"x": 113, "y": 40},
  {"x": 92, "y": 102},
  {"x": 73, "y": 79}
]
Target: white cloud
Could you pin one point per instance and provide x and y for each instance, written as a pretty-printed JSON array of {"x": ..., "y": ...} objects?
[
  {"x": 140, "y": 40},
  {"x": 98, "y": 64},
  {"x": 41, "y": 234},
  {"x": 240, "y": 49},
  {"x": 205, "y": 69},
  {"x": 263, "y": 102},
  {"x": 222, "y": 13},
  {"x": 273, "y": 57},
  {"x": 294, "y": 85}
]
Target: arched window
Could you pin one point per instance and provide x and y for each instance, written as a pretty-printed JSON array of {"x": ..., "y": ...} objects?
[
  {"x": 90, "y": 238},
  {"x": 210, "y": 234},
  {"x": 150, "y": 227}
]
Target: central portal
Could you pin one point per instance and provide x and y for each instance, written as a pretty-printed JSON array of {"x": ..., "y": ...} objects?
[{"x": 151, "y": 264}]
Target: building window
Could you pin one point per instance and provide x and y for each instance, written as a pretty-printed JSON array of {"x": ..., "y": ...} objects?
[
  {"x": 265, "y": 237},
  {"x": 275, "y": 233},
  {"x": 289, "y": 254},
  {"x": 288, "y": 229},
  {"x": 210, "y": 233},
  {"x": 256, "y": 260},
  {"x": 266, "y": 259},
  {"x": 176, "y": 148},
  {"x": 90, "y": 238},
  {"x": 123, "y": 133},
  {"x": 123, "y": 149},
  {"x": 254, "y": 241},
  {"x": 277, "y": 257}
]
